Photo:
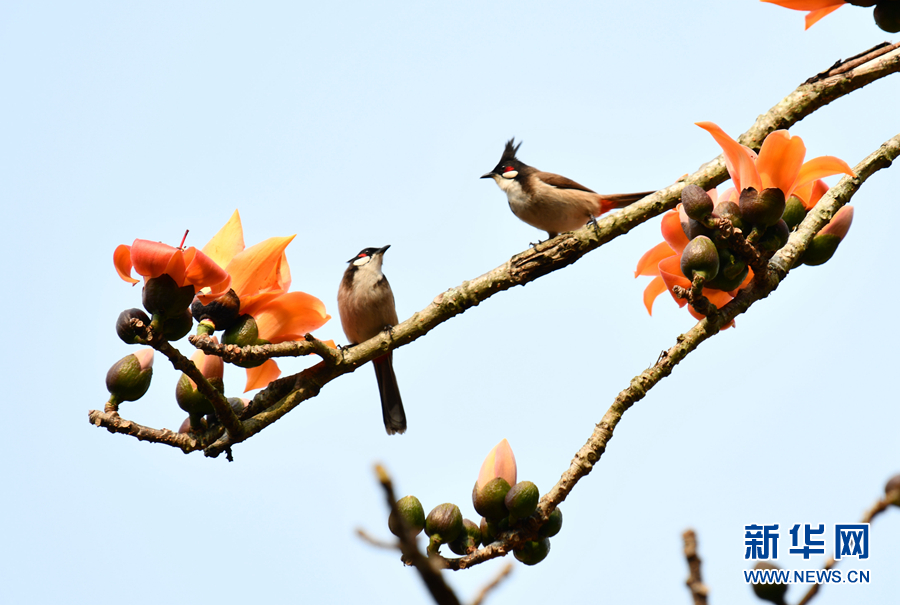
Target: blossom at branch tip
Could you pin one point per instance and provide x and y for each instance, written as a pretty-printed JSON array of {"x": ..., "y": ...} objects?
[
  {"x": 500, "y": 462},
  {"x": 817, "y": 8},
  {"x": 260, "y": 277},
  {"x": 187, "y": 267}
]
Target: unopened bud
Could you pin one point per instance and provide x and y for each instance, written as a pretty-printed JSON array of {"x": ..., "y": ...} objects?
[
  {"x": 163, "y": 297},
  {"x": 552, "y": 526},
  {"x": 730, "y": 211},
  {"x": 532, "y": 553},
  {"x": 468, "y": 540},
  {"x": 221, "y": 313},
  {"x": 412, "y": 512},
  {"x": 129, "y": 378},
  {"x": 696, "y": 202},
  {"x": 794, "y": 211},
  {"x": 176, "y": 328},
  {"x": 444, "y": 523},
  {"x": 700, "y": 257},
  {"x": 521, "y": 500},
  {"x": 489, "y": 500},
  {"x": 887, "y": 15},
  {"x": 123, "y": 325},
  {"x": 774, "y": 593}
]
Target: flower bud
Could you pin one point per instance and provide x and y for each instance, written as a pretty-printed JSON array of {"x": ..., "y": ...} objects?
[
  {"x": 222, "y": 312},
  {"x": 794, "y": 211},
  {"x": 887, "y": 16},
  {"x": 762, "y": 209},
  {"x": 238, "y": 404},
  {"x": 521, "y": 500},
  {"x": 700, "y": 257},
  {"x": 444, "y": 524},
  {"x": 732, "y": 272},
  {"x": 892, "y": 490},
  {"x": 776, "y": 236},
  {"x": 532, "y": 553},
  {"x": 411, "y": 510},
  {"x": 123, "y": 325},
  {"x": 468, "y": 540},
  {"x": 129, "y": 378},
  {"x": 162, "y": 296},
  {"x": 552, "y": 526},
  {"x": 730, "y": 211},
  {"x": 825, "y": 243},
  {"x": 187, "y": 428},
  {"x": 243, "y": 332},
  {"x": 491, "y": 529},
  {"x": 774, "y": 593},
  {"x": 192, "y": 401},
  {"x": 696, "y": 202},
  {"x": 176, "y": 328},
  {"x": 692, "y": 228},
  {"x": 489, "y": 501}
]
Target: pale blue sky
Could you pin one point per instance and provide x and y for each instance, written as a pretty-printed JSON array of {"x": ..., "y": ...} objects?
[{"x": 360, "y": 124}]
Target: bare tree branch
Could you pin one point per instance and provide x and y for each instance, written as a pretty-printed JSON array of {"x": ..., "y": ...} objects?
[{"x": 699, "y": 591}]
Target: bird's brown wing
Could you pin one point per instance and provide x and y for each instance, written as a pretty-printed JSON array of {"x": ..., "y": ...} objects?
[{"x": 561, "y": 182}]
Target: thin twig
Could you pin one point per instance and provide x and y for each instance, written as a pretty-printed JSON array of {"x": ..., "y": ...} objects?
[
  {"x": 695, "y": 584},
  {"x": 483, "y": 593}
]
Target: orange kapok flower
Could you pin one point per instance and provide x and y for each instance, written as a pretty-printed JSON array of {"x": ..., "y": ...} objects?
[
  {"x": 817, "y": 8},
  {"x": 260, "y": 276},
  {"x": 186, "y": 267}
]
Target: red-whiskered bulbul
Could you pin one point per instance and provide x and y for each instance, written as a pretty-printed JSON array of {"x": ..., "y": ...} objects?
[
  {"x": 549, "y": 201},
  {"x": 366, "y": 305}
]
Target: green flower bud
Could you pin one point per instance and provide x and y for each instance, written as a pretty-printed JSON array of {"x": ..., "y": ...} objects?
[
  {"x": 192, "y": 401},
  {"x": 468, "y": 540},
  {"x": 794, "y": 211},
  {"x": 892, "y": 490},
  {"x": 732, "y": 212},
  {"x": 242, "y": 332},
  {"x": 411, "y": 510},
  {"x": 489, "y": 500},
  {"x": 821, "y": 249},
  {"x": 776, "y": 236},
  {"x": 176, "y": 328},
  {"x": 491, "y": 529},
  {"x": 532, "y": 553},
  {"x": 552, "y": 526},
  {"x": 444, "y": 524},
  {"x": 700, "y": 257},
  {"x": 222, "y": 312},
  {"x": 163, "y": 297},
  {"x": 762, "y": 209},
  {"x": 521, "y": 500},
  {"x": 774, "y": 593},
  {"x": 123, "y": 325},
  {"x": 237, "y": 403},
  {"x": 887, "y": 16},
  {"x": 696, "y": 202},
  {"x": 129, "y": 378}
]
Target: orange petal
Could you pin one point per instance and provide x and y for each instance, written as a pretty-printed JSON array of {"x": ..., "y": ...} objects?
[
  {"x": 122, "y": 261},
  {"x": 805, "y": 5},
  {"x": 202, "y": 271},
  {"x": 150, "y": 259},
  {"x": 672, "y": 231},
  {"x": 213, "y": 292},
  {"x": 730, "y": 195},
  {"x": 656, "y": 287},
  {"x": 500, "y": 462},
  {"x": 258, "y": 268},
  {"x": 670, "y": 271},
  {"x": 813, "y": 17},
  {"x": 261, "y": 376},
  {"x": 717, "y": 297},
  {"x": 817, "y": 168},
  {"x": 738, "y": 159},
  {"x": 648, "y": 263},
  {"x": 290, "y": 317},
  {"x": 176, "y": 268},
  {"x": 227, "y": 243},
  {"x": 780, "y": 159}
]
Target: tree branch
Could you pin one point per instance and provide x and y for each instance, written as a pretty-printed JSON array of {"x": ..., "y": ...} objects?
[{"x": 699, "y": 591}]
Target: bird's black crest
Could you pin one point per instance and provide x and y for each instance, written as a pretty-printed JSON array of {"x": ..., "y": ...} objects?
[{"x": 509, "y": 152}]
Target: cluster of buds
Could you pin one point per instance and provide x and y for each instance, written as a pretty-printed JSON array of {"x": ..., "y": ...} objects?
[{"x": 503, "y": 503}]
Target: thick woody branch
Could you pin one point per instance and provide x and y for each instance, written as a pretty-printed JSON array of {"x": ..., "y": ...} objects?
[
  {"x": 284, "y": 395},
  {"x": 779, "y": 265}
]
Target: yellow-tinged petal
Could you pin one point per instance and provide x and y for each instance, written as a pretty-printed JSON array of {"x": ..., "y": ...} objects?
[
  {"x": 290, "y": 317},
  {"x": 780, "y": 159},
  {"x": 258, "y": 269},
  {"x": 500, "y": 462},
  {"x": 648, "y": 265},
  {"x": 813, "y": 17},
  {"x": 656, "y": 287},
  {"x": 819, "y": 167},
  {"x": 738, "y": 159},
  {"x": 144, "y": 357},
  {"x": 670, "y": 271},
  {"x": 227, "y": 243},
  {"x": 122, "y": 261},
  {"x": 261, "y": 376},
  {"x": 672, "y": 231}
]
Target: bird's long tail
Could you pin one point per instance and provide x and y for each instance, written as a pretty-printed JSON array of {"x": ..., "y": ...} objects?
[
  {"x": 391, "y": 403},
  {"x": 620, "y": 200}
]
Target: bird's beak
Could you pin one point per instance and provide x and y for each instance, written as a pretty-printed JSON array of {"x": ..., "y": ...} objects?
[
  {"x": 489, "y": 175},
  {"x": 383, "y": 250}
]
